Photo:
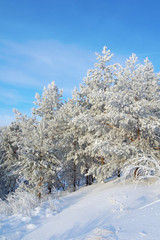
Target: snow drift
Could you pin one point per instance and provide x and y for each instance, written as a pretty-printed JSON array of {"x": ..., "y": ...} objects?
[{"x": 112, "y": 210}]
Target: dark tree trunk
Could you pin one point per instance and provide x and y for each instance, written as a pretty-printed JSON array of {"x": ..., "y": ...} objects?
[
  {"x": 74, "y": 177},
  {"x": 49, "y": 188},
  {"x": 118, "y": 173},
  {"x": 87, "y": 177}
]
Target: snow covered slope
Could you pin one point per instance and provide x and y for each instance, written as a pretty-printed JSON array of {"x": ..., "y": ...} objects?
[{"x": 112, "y": 210}]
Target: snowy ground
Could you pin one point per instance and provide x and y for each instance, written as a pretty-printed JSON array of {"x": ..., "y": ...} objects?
[{"x": 112, "y": 210}]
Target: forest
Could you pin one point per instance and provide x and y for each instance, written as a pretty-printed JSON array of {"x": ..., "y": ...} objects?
[{"x": 109, "y": 128}]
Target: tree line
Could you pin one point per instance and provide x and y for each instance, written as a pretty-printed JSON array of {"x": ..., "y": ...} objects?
[{"x": 111, "y": 122}]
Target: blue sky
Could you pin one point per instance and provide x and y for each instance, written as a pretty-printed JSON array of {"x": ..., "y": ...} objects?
[{"x": 56, "y": 40}]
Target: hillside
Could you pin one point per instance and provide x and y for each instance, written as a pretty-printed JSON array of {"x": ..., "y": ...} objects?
[{"x": 112, "y": 210}]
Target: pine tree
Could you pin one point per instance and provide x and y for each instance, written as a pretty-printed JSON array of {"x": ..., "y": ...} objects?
[
  {"x": 111, "y": 122},
  {"x": 121, "y": 112},
  {"x": 9, "y": 158},
  {"x": 48, "y": 103}
]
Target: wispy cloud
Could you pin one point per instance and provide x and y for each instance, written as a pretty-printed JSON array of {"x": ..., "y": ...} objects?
[
  {"x": 9, "y": 97},
  {"x": 16, "y": 77},
  {"x": 26, "y": 67},
  {"x": 37, "y": 62}
]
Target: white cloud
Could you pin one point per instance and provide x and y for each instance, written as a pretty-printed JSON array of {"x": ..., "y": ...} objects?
[
  {"x": 36, "y": 63},
  {"x": 16, "y": 77},
  {"x": 25, "y": 68}
]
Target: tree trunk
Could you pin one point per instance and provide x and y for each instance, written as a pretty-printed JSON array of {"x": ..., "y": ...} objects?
[
  {"x": 49, "y": 188},
  {"x": 39, "y": 187},
  {"x": 102, "y": 160},
  {"x": 87, "y": 177},
  {"x": 74, "y": 177},
  {"x": 118, "y": 173}
]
